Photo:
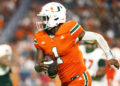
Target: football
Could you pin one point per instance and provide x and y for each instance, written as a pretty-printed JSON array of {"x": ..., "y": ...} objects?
[{"x": 52, "y": 67}]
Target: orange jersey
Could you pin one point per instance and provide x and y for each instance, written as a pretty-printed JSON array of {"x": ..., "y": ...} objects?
[{"x": 64, "y": 48}]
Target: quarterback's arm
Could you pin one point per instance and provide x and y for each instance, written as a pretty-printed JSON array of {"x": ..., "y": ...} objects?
[
  {"x": 87, "y": 35},
  {"x": 39, "y": 59},
  {"x": 42, "y": 65},
  {"x": 39, "y": 56},
  {"x": 4, "y": 60}
]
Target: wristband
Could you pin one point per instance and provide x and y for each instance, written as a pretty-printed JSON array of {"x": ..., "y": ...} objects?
[{"x": 109, "y": 55}]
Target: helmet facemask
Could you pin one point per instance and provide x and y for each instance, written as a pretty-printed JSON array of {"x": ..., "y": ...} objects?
[{"x": 42, "y": 22}]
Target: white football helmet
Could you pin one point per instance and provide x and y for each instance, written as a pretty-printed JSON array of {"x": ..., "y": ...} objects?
[{"x": 51, "y": 15}]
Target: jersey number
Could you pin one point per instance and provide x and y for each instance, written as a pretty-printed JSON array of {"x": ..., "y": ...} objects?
[
  {"x": 90, "y": 63},
  {"x": 59, "y": 60}
]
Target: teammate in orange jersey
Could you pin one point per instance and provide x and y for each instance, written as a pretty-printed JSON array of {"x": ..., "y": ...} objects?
[{"x": 58, "y": 39}]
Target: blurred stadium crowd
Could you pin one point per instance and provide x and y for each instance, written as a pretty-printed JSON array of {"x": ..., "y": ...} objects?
[{"x": 95, "y": 15}]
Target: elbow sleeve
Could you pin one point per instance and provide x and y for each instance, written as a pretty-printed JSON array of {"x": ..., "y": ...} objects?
[{"x": 102, "y": 43}]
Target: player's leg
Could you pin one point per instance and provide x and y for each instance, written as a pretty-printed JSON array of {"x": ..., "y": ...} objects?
[{"x": 89, "y": 79}]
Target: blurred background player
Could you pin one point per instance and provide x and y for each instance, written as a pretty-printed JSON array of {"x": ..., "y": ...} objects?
[
  {"x": 5, "y": 65},
  {"x": 95, "y": 61}
]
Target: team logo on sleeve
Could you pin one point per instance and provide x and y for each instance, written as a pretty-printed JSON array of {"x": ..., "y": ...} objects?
[{"x": 35, "y": 41}]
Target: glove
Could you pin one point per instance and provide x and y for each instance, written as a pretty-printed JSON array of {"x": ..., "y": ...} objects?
[
  {"x": 47, "y": 65},
  {"x": 41, "y": 67}
]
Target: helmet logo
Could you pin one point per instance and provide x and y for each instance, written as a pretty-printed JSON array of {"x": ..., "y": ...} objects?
[
  {"x": 52, "y": 9},
  {"x": 58, "y": 9}
]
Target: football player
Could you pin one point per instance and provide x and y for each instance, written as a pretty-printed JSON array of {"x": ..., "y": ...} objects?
[
  {"x": 5, "y": 64},
  {"x": 94, "y": 60},
  {"x": 57, "y": 38}
]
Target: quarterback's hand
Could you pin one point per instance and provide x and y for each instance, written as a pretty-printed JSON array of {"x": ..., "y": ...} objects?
[
  {"x": 41, "y": 67},
  {"x": 113, "y": 62}
]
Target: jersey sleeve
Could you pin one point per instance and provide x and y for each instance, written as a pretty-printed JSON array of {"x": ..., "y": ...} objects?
[
  {"x": 76, "y": 29},
  {"x": 36, "y": 44}
]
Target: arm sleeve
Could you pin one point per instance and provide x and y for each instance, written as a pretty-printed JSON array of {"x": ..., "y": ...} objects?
[{"x": 100, "y": 40}]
